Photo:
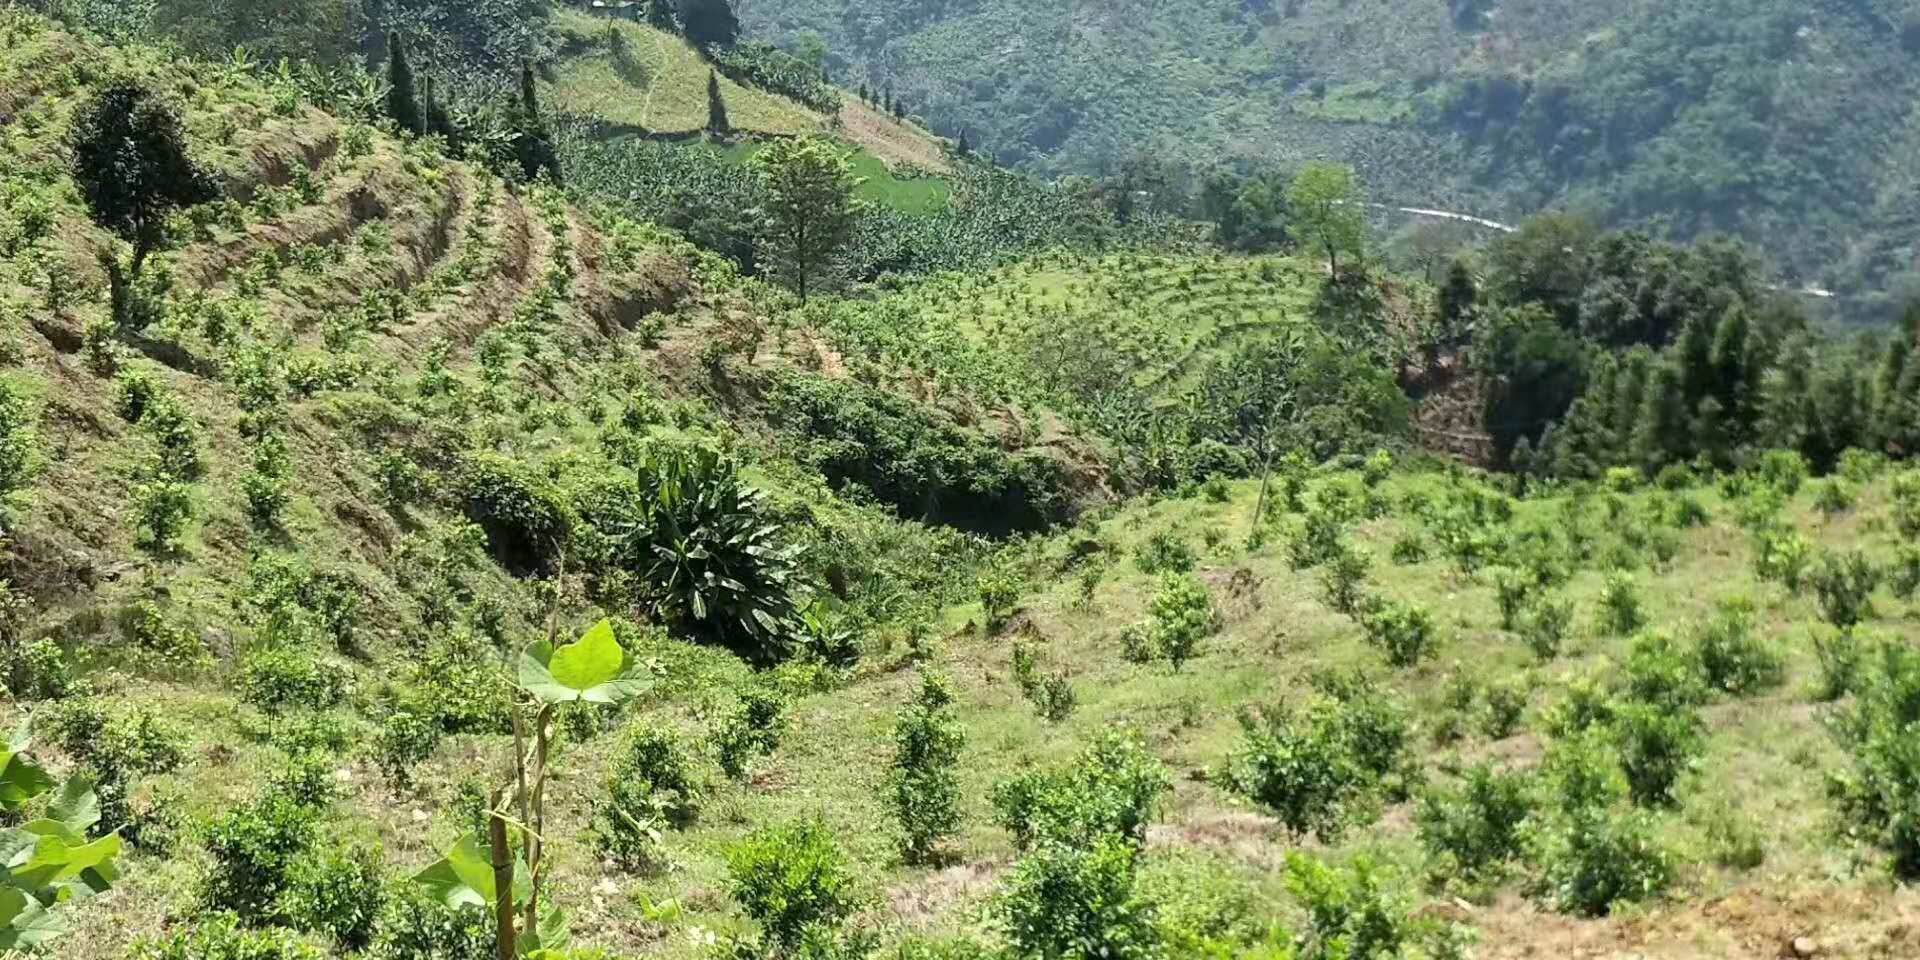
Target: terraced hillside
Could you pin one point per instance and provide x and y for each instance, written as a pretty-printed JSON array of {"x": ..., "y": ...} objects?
[{"x": 639, "y": 79}]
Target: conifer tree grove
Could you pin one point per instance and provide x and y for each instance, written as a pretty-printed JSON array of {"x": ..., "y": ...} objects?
[
  {"x": 403, "y": 102},
  {"x": 717, "y": 122}
]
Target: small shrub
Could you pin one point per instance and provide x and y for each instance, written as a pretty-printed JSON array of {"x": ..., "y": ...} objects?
[
  {"x": 405, "y": 740},
  {"x": 1137, "y": 644},
  {"x": 1506, "y": 703},
  {"x": 999, "y": 597},
  {"x": 1353, "y": 914},
  {"x": 275, "y": 680},
  {"x": 1476, "y": 829},
  {"x": 219, "y": 936},
  {"x": 1110, "y": 788},
  {"x": 1903, "y": 575},
  {"x": 1844, "y": 584},
  {"x": 1783, "y": 470},
  {"x": 1656, "y": 743},
  {"x": 1322, "y": 770},
  {"x": 337, "y": 891},
  {"x": 1544, "y": 626},
  {"x": 790, "y": 879},
  {"x": 1834, "y": 496},
  {"x": 1876, "y": 794},
  {"x": 1066, "y": 901},
  {"x": 1731, "y": 841},
  {"x": 1318, "y": 541},
  {"x": 650, "y": 788},
  {"x": 752, "y": 729},
  {"x": 161, "y": 511},
  {"x": 1183, "y": 615},
  {"x": 1510, "y": 593},
  {"x": 1620, "y": 610},
  {"x": 1410, "y": 549},
  {"x": 1405, "y": 632},
  {"x": 1590, "y": 856},
  {"x": 1661, "y": 672},
  {"x": 1053, "y": 698},
  {"x": 1782, "y": 556},
  {"x": 1343, "y": 577},
  {"x": 922, "y": 787},
  {"x": 1732, "y": 658},
  {"x": 1164, "y": 552},
  {"x": 1841, "y": 654},
  {"x": 256, "y": 850}
]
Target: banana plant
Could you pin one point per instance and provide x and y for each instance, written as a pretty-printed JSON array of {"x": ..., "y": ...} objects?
[
  {"x": 592, "y": 669},
  {"x": 48, "y": 861}
]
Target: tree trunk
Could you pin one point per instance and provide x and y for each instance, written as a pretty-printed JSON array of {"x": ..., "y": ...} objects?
[
  {"x": 503, "y": 933},
  {"x": 1266, "y": 474}
]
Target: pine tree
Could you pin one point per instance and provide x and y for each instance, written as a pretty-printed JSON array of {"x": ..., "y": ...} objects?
[
  {"x": 1661, "y": 436},
  {"x": 532, "y": 147},
  {"x": 1733, "y": 370},
  {"x": 866, "y": 95},
  {"x": 438, "y": 122},
  {"x": 403, "y": 104},
  {"x": 660, "y": 16},
  {"x": 709, "y": 23},
  {"x": 1455, "y": 302},
  {"x": 809, "y": 211},
  {"x": 963, "y": 147},
  {"x": 717, "y": 122}
]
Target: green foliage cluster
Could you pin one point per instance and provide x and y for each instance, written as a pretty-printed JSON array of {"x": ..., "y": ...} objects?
[
  {"x": 1110, "y": 789},
  {"x": 923, "y": 789},
  {"x": 1329, "y": 766}
]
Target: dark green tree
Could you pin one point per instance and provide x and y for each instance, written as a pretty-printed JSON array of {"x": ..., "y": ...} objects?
[
  {"x": 660, "y": 15},
  {"x": 963, "y": 147},
  {"x": 131, "y": 165},
  {"x": 717, "y": 122},
  {"x": 1456, "y": 301},
  {"x": 710, "y": 23},
  {"x": 533, "y": 146},
  {"x": 1662, "y": 436},
  {"x": 403, "y": 101},
  {"x": 809, "y": 210}
]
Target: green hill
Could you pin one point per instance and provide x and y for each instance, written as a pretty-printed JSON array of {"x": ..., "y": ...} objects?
[{"x": 1686, "y": 119}]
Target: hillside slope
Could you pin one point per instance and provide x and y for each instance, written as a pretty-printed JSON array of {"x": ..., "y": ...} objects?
[{"x": 1769, "y": 122}]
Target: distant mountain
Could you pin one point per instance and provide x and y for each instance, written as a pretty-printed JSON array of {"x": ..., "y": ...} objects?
[{"x": 1793, "y": 125}]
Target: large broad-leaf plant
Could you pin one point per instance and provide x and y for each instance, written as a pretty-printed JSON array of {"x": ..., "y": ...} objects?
[{"x": 48, "y": 861}]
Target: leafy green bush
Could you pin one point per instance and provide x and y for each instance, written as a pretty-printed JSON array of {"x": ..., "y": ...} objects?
[
  {"x": 336, "y": 890},
  {"x": 791, "y": 879},
  {"x": 1475, "y": 830},
  {"x": 256, "y": 851},
  {"x": 1588, "y": 854},
  {"x": 1053, "y": 697},
  {"x": 1834, "y": 496},
  {"x": 1781, "y": 555},
  {"x": 1353, "y": 914},
  {"x": 1183, "y": 614},
  {"x": 1844, "y": 584},
  {"x": 1324, "y": 769},
  {"x": 1544, "y": 625},
  {"x": 999, "y": 598},
  {"x": 1878, "y": 795},
  {"x": 1662, "y": 672},
  {"x": 1405, "y": 632},
  {"x": 1656, "y": 744},
  {"x": 405, "y": 739},
  {"x": 1110, "y": 788},
  {"x": 525, "y": 517},
  {"x": 1784, "y": 470},
  {"x": 922, "y": 787},
  {"x": 1077, "y": 901},
  {"x": 1732, "y": 658},
  {"x": 1620, "y": 610},
  {"x": 752, "y": 729},
  {"x": 1343, "y": 577},
  {"x": 1510, "y": 593},
  {"x": 415, "y": 925},
  {"x": 1164, "y": 552},
  {"x": 1506, "y": 703},
  {"x": 161, "y": 511},
  {"x": 266, "y": 485},
  {"x": 650, "y": 788},
  {"x": 1318, "y": 540},
  {"x": 278, "y": 679},
  {"x": 1841, "y": 654},
  {"x": 219, "y": 936}
]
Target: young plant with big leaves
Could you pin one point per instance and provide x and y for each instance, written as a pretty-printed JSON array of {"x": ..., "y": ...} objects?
[
  {"x": 592, "y": 669},
  {"x": 48, "y": 861}
]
